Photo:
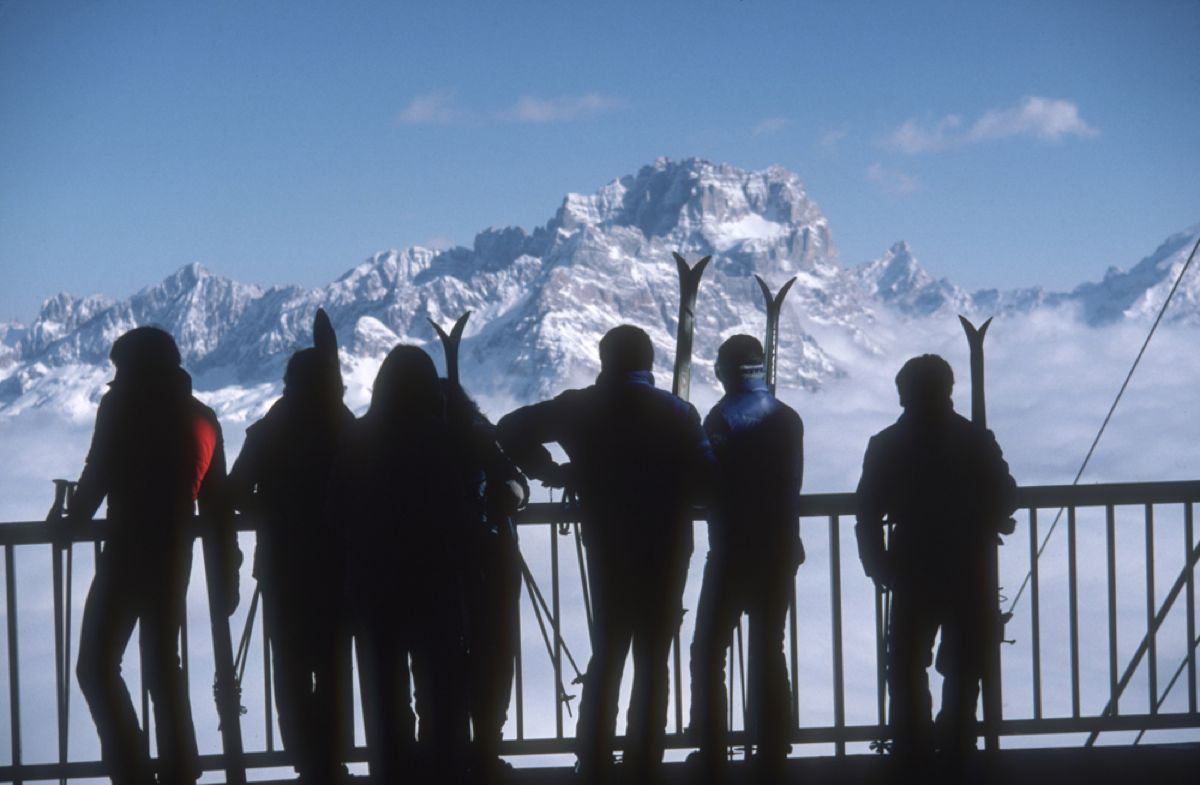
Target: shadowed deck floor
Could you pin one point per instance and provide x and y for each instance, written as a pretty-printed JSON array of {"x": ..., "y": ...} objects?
[{"x": 1143, "y": 765}]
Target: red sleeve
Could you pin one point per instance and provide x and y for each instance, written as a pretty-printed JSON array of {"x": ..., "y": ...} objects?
[{"x": 206, "y": 445}]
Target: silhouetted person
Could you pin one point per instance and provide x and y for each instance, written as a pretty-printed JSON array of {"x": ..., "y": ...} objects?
[
  {"x": 400, "y": 489},
  {"x": 754, "y": 550},
  {"x": 943, "y": 484},
  {"x": 155, "y": 451},
  {"x": 638, "y": 457},
  {"x": 282, "y": 474},
  {"x": 491, "y": 575}
]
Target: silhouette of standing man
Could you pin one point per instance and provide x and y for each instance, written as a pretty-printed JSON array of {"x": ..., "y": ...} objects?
[
  {"x": 942, "y": 482},
  {"x": 283, "y": 474},
  {"x": 155, "y": 451},
  {"x": 754, "y": 550},
  {"x": 638, "y": 457}
]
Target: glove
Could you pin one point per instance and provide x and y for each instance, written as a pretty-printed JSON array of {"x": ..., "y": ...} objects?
[{"x": 561, "y": 475}]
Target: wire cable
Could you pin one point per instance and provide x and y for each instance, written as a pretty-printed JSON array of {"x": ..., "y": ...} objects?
[{"x": 1108, "y": 417}]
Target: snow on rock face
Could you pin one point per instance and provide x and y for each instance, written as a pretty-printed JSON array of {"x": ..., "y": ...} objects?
[
  {"x": 1140, "y": 292},
  {"x": 542, "y": 299}
]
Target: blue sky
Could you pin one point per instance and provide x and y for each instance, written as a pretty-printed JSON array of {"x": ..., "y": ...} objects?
[{"x": 1010, "y": 143}]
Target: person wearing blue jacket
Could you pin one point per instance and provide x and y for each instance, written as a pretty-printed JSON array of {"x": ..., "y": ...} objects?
[
  {"x": 754, "y": 550},
  {"x": 638, "y": 459}
]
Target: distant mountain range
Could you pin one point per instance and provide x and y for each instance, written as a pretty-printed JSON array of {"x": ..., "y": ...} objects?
[{"x": 541, "y": 300}]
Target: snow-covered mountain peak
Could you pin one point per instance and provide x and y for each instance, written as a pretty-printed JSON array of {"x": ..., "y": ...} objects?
[{"x": 898, "y": 280}]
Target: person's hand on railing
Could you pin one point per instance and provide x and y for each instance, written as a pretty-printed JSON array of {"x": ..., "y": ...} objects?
[{"x": 558, "y": 475}]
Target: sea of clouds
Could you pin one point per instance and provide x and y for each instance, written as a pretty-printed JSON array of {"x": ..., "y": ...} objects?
[{"x": 1050, "y": 381}]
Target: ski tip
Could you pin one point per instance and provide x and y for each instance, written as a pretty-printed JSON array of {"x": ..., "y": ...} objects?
[
  {"x": 460, "y": 325},
  {"x": 787, "y": 287},
  {"x": 438, "y": 329},
  {"x": 324, "y": 338},
  {"x": 766, "y": 290},
  {"x": 974, "y": 333}
]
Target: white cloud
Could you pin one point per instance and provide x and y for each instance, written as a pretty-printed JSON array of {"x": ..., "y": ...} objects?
[
  {"x": 831, "y": 140},
  {"x": 440, "y": 109},
  {"x": 1048, "y": 119},
  {"x": 1045, "y": 118},
  {"x": 913, "y": 138},
  {"x": 893, "y": 182},
  {"x": 436, "y": 108},
  {"x": 532, "y": 109},
  {"x": 769, "y": 126}
]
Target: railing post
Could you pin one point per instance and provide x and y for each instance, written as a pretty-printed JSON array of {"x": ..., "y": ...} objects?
[
  {"x": 835, "y": 597},
  {"x": 1152, "y": 673},
  {"x": 14, "y": 679},
  {"x": 1073, "y": 611},
  {"x": 1035, "y": 620},
  {"x": 1110, "y": 547},
  {"x": 1188, "y": 527},
  {"x": 554, "y": 621}
]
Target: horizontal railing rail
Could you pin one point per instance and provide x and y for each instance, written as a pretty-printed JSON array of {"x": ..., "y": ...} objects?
[{"x": 847, "y": 708}]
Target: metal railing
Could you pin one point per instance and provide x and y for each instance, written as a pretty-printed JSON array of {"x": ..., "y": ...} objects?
[{"x": 838, "y": 693}]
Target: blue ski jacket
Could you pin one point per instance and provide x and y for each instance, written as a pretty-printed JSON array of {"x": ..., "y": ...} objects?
[
  {"x": 759, "y": 445},
  {"x": 639, "y": 460}
]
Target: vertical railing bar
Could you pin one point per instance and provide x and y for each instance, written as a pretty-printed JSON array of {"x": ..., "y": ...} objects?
[
  {"x": 1188, "y": 526},
  {"x": 835, "y": 592},
  {"x": 1110, "y": 546},
  {"x": 1073, "y": 611},
  {"x": 268, "y": 709},
  {"x": 558, "y": 704},
  {"x": 1151, "y": 632},
  {"x": 519, "y": 677},
  {"x": 14, "y": 679},
  {"x": 1035, "y": 620},
  {"x": 880, "y": 655}
]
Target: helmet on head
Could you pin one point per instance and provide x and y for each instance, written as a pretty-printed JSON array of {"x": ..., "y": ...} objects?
[
  {"x": 925, "y": 383},
  {"x": 144, "y": 350},
  {"x": 739, "y": 354},
  {"x": 625, "y": 349}
]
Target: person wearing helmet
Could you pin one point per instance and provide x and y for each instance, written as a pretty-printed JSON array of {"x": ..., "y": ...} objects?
[
  {"x": 941, "y": 482},
  {"x": 754, "y": 550},
  {"x": 155, "y": 452},
  {"x": 281, "y": 477},
  {"x": 639, "y": 459}
]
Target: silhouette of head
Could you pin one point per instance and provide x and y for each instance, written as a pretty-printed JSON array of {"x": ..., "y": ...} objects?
[
  {"x": 144, "y": 352},
  {"x": 407, "y": 385},
  {"x": 925, "y": 384},
  {"x": 738, "y": 357},
  {"x": 625, "y": 349},
  {"x": 314, "y": 373}
]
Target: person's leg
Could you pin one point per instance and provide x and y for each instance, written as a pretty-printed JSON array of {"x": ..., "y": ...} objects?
[
  {"x": 658, "y": 606},
  {"x": 611, "y": 634},
  {"x": 385, "y": 693},
  {"x": 165, "y": 603},
  {"x": 494, "y": 637},
  {"x": 109, "y": 616},
  {"x": 439, "y": 672},
  {"x": 283, "y": 618},
  {"x": 911, "y": 632},
  {"x": 960, "y": 661},
  {"x": 771, "y": 718},
  {"x": 716, "y": 616}
]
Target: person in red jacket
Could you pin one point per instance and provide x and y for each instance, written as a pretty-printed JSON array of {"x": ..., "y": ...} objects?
[{"x": 155, "y": 452}]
